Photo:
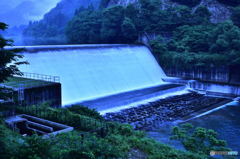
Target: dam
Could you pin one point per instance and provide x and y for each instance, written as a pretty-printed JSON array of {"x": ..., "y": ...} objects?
[
  {"x": 113, "y": 78},
  {"x": 93, "y": 71}
]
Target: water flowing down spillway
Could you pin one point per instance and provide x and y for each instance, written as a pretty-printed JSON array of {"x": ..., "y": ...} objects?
[{"x": 94, "y": 71}]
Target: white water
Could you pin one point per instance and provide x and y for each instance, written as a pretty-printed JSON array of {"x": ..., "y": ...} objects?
[
  {"x": 93, "y": 72},
  {"x": 135, "y": 104}
]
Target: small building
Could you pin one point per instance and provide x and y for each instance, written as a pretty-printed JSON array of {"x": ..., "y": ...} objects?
[
  {"x": 32, "y": 89},
  {"x": 29, "y": 125}
]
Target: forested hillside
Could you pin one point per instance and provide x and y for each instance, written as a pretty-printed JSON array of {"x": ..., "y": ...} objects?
[
  {"x": 182, "y": 34},
  {"x": 51, "y": 29}
]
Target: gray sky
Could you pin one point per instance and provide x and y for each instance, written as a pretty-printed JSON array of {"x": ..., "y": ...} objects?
[{"x": 17, "y": 12}]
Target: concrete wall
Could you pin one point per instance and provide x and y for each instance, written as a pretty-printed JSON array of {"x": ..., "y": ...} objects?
[
  {"x": 228, "y": 75},
  {"x": 215, "y": 88},
  {"x": 49, "y": 93}
]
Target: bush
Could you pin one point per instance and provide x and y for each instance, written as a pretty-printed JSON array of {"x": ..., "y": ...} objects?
[
  {"x": 82, "y": 110},
  {"x": 64, "y": 116}
]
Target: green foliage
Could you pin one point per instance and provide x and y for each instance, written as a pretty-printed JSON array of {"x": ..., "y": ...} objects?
[
  {"x": 35, "y": 147},
  {"x": 129, "y": 30},
  {"x": 84, "y": 28},
  {"x": 9, "y": 62},
  {"x": 118, "y": 24},
  {"x": 9, "y": 58},
  {"x": 43, "y": 33},
  {"x": 201, "y": 46},
  {"x": 64, "y": 116},
  {"x": 236, "y": 16},
  {"x": 190, "y": 3},
  {"x": 201, "y": 16},
  {"x": 198, "y": 140},
  {"x": 3, "y": 26},
  {"x": 132, "y": 12},
  {"x": 9, "y": 142},
  {"x": 190, "y": 39},
  {"x": 82, "y": 110},
  {"x": 225, "y": 38},
  {"x": 118, "y": 142},
  {"x": 106, "y": 26},
  {"x": 154, "y": 20},
  {"x": 111, "y": 24},
  {"x": 158, "y": 45},
  {"x": 230, "y": 2},
  {"x": 149, "y": 15}
]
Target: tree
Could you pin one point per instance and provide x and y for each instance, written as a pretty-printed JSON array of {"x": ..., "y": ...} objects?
[
  {"x": 198, "y": 140},
  {"x": 9, "y": 59},
  {"x": 158, "y": 45},
  {"x": 129, "y": 31},
  {"x": 236, "y": 16},
  {"x": 225, "y": 39},
  {"x": 149, "y": 15},
  {"x": 84, "y": 28},
  {"x": 201, "y": 16},
  {"x": 111, "y": 24},
  {"x": 190, "y": 39}
]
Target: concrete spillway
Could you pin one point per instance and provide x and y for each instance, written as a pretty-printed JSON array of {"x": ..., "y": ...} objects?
[{"x": 93, "y": 71}]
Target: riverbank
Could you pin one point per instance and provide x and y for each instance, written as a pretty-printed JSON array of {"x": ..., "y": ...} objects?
[{"x": 153, "y": 114}]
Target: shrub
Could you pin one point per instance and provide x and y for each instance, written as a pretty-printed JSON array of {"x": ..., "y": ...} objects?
[
  {"x": 198, "y": 140},
  {"x": 64, "y": 116},
  {"x": 82, "y": 110}
]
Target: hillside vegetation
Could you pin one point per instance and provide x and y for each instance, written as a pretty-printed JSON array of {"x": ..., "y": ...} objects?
[
  {"x": 179, "y": 36},
  {"x": 115, "y": 141}
]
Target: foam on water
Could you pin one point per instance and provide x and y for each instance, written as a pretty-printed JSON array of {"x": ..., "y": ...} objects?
[
  {"x": 90, "y": 72},
  {"x": 146, "y": 101}
]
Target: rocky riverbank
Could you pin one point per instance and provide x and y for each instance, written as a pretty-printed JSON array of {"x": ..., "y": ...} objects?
[{"x": 151, "y": 115}]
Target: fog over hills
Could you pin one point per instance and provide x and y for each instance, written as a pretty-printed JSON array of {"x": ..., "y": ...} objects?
[{"x": 18, "y": 12}]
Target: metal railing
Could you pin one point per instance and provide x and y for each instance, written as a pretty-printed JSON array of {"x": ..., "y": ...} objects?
[
  {"x": 41, "y": 77},
  {"x": 31, "y": 80}
]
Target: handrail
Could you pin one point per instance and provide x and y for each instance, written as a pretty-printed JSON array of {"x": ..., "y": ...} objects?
[
  {"x": 41, "y": 77},
  {"x": 29, "y": 81}
]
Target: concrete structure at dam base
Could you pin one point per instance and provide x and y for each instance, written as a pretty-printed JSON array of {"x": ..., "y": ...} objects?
[
  {"x": 28, "y": 125},
  {"x": 33, "y": 89}
]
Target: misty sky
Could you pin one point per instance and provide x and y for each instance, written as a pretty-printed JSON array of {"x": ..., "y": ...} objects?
[{"x": 17, "y": 12}]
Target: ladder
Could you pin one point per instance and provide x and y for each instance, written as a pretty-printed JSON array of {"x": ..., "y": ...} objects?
[{"x": 21, "y": 93}]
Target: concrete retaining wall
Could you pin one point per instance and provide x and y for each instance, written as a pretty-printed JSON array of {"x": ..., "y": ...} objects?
[
  {"x": 48, "y": 93},
  {"x": 227, "y": 75}
]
